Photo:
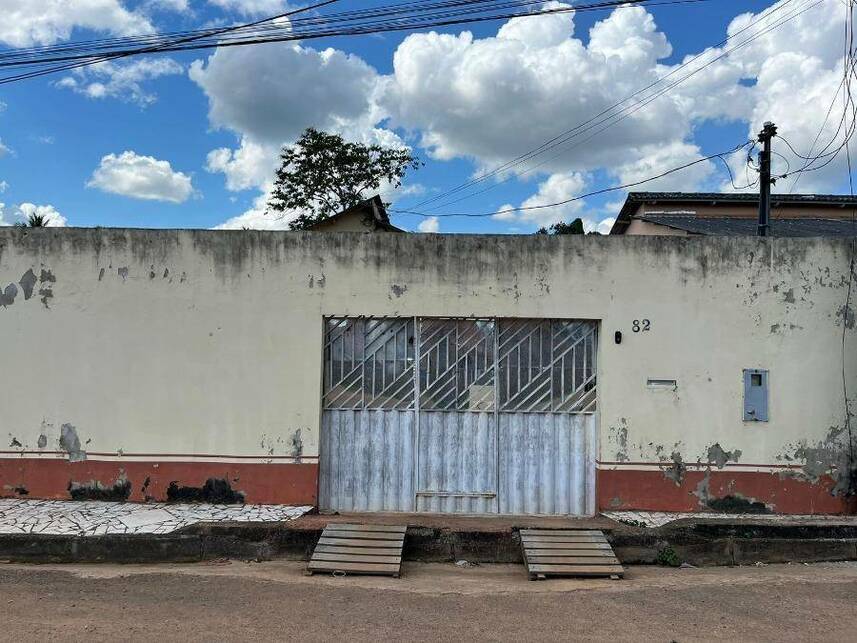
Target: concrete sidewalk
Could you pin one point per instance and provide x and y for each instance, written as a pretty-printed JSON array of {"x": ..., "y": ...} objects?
[
  {"x": 656, "y": 519},
  {"x": 72, "y": 531},
  {"x": 83, "y": 518}
]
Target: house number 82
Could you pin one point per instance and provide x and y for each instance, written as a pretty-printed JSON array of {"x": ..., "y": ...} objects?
[{"x": 641, "y": 325}]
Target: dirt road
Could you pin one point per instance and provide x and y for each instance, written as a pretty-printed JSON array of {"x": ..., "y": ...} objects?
[{"x": 274, "y": 600}]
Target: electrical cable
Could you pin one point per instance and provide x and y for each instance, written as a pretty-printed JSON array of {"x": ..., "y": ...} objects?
[
  {"x": 207, "y": 39},
  {"x": 624, "y": 186}
]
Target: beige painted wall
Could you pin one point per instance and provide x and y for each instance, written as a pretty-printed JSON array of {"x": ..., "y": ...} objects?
[
  {"x": 198, "y": 342},
  {"x": 647, "y": 227},
  {"x": 352, "y": 222}
]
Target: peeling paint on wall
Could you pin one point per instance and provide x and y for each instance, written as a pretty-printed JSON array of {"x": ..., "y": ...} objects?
[
  {"x": 831, "y": 456},
  {"x": 703, "y": 488},
  {"x": 297, "y": 446},
  {"x": 28, "y": 282},
  {"x": 619, "y": 436},
  {"x": 7, "y": 295},
  {"x": 46, "y": 294},
  {"x": 144, "y": 490},
  {"x": 397, "y": 291},
  {"x": 677, "y": 470},
  {"x": 718, "y": 456},
  {"x": 70, "y": 443}
]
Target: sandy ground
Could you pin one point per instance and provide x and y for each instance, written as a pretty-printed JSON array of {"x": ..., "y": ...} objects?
[{"x": 275, "y": 600}]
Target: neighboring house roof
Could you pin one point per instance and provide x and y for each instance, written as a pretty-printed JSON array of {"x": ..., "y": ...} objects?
[
  {"x": 370, "y": 214},
  {"x": 735, "y": 226},
  {"x": 729, "y": 223}
]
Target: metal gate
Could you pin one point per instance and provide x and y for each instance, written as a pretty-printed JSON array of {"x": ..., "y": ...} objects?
[{"x": 458, "y": 415}]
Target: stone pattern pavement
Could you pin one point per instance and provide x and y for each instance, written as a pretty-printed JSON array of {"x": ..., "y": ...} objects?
[
  {"x": 75, "y": 518},
  {"x": 654, "y": 519}
]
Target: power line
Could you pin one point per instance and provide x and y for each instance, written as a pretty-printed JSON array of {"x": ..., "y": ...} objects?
[
  {"x": 319, "y": 27},
  {"x": 624, "y": 186},
  {"x": 187, "y": 41}
]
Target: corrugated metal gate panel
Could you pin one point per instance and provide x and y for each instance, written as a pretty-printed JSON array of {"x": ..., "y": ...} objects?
[
  {"x": 457, "y": 462},
  {"x": 459, "y": 415},
  {"x": 547, "y": 463},
  {"x": 367, "y": 460}
]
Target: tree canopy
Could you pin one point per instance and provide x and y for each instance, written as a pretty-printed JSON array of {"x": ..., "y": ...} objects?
[
  {"x": 323, "y": 174},
  {"x": 575, "y": 227}
]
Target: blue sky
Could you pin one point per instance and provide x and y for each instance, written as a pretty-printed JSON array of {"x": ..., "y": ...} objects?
[{"x": 190, "y": 140}]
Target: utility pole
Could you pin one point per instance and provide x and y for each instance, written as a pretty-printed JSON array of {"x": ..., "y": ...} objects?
[{"x": 769, "y": 131}]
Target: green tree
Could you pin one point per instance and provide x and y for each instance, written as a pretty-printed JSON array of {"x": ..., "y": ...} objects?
[
  {"x": 322, "y": 174},
  {"x": 575, "y": 227},
  {"x": 34, "y": 221}
]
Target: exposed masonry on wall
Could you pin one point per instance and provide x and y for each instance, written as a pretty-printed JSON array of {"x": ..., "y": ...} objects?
[
  {"x": 833, "y": 456},
  {"x": 717, "y": 457},
  {"x": 675, "y": 468}
]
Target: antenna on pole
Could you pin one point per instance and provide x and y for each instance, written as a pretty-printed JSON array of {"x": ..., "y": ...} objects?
[{"x": 769, "y": 131}]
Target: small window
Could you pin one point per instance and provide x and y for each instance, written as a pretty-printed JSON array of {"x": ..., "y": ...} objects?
[{"x": 755, "y": 379}]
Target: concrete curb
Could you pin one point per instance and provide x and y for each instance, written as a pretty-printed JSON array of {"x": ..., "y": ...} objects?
[{"x": 694, "y": 542}]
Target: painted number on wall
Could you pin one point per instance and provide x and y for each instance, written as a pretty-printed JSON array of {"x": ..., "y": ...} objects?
[{"x": 639, "y": 325}]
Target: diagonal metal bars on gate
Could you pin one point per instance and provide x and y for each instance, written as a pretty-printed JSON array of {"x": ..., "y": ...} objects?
[{"x": 474, "y": 364}]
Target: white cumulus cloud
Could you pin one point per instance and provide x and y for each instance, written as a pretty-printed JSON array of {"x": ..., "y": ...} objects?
[
  {"x": 251, "y": 165},
  {"x": 141, "y": 177},
  {"x": 490, "y": 99},
  {"x": 255, "y": 8},
  {"x": 258, "y": 217},
  {"x": 795, "y": 72},
  {"x": 24, "y": 23},
  {"x": 122, "y": 81},
  {"x": 557, "y": 187},
  {"x": 269, "y": 94},
  {"x": 10, "y": 215},
  {"x": 430, "y": 224}
]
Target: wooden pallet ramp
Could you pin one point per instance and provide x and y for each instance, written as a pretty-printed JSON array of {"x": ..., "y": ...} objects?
[
  {"x": 569, "y": 552},
  {"x": 359, "y": 549}
]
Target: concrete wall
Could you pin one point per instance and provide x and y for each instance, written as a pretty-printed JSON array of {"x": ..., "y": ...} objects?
[{"x": 133, "y": 359}]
